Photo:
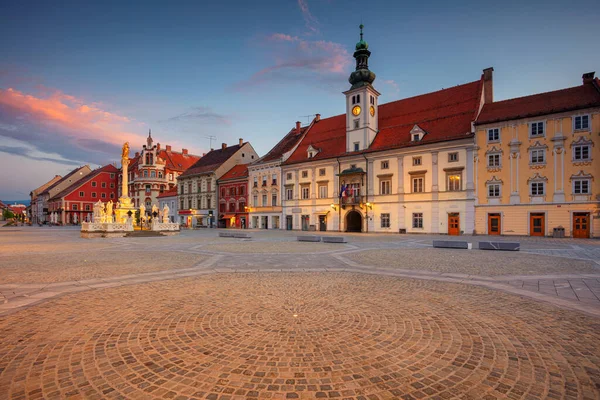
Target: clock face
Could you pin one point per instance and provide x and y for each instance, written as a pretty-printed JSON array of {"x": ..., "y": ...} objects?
[
  {"x": 356, "y": 110},
  {"x": 372, "y": 111}
]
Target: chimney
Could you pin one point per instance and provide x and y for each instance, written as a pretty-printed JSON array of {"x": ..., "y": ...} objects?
[
  {"x": 168, "y": 147},
  {"x": 298, "y": 126},
  {"x": 203, "y": 154},
  {"x": 317, "y": 117},
  {"x": 241, "y": 142},
  {"x": 488, "y": 85},
  {"x": 588, "y": 78},
  {"x": 223, "y": 146},
  {"x": 184, "y": 151}
]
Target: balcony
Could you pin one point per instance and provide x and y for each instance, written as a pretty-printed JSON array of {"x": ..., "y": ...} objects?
[{"x": 352, "y": 200}]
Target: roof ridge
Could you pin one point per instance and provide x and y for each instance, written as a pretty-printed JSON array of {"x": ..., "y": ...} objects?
[{"x": 537, "y": 94}]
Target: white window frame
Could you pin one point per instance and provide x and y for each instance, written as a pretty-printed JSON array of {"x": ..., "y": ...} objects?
[
  {"x": 587, "y": 128},
  {"x": 385, "y": 164},
  {"x": 581, "y": 147},
  {"x": 579, "y": 182},
  {"x": 416, "y": 185},
  {"x": 536, "y": 124},
  {"x": 417, "y": 220},
  {"x": 494, "y": 190},
  {"x": 273, "y": 199},
  {"x": 305, "y": 174},
  {"x": 356, "y": 146},
  {"x": 535, "y": 154},
  {"x": 451, "y": 155},
  {"x": 255, "y": 200},
  {"x": 322, "y": 191},
  {"x": 491, "y": 165},
  {"x": 537, "y": 190},
  {"x": 418, "y": 160},
  {"x": 289, "y": 193},
  {"x": 448, "y": 184},
  {"x": 385, "y": 220},
  {"x": 305, "y": 192},
  {"x": 288, "y": 176},
  {"x": 496, "y": 132},
  {"x": 385, "y": 186}
]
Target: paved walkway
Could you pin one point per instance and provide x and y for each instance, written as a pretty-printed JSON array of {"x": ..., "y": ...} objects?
[{"x": 275, "y": 319}]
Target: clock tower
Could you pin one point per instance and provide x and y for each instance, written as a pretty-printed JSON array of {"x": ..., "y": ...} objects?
[{"x": 361, "y": 101}]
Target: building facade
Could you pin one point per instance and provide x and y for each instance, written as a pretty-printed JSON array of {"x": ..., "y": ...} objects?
[
  {"x": 37, "y": 210},
  {"x": 538, "y": 163},
  {"x": 75, "y": 203},
  {"x": 154, "y": 170},
  {"x": 169, "y": 198},
  {"x": 58, "y": 186},
  {"x": 265, "y": 182},
  {"x": 197, "y": 186},
  {"x": 404, "y": 166},
  {"x": 233, "y": 198}
]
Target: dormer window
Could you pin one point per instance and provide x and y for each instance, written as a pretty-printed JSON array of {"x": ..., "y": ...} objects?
[
  {"x": 311, "y": 151},
  {"x": 416, "y": 134}
]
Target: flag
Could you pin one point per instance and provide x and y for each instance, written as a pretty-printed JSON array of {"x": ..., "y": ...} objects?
[{"x": 343, "y": 190}]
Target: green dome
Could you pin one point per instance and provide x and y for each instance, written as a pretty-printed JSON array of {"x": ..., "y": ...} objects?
[{"x": 362, "y": 45}]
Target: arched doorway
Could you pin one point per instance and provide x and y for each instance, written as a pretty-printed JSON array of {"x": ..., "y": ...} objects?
[{"x": 353, "y": 222}]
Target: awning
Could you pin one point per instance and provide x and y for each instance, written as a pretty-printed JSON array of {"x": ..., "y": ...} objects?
[
  {"x": 351, "y": 171},
  {"x": 228, "y": 216}
]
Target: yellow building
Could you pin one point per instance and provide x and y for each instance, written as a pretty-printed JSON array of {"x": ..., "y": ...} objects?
[{"x": 537, "y": 163}]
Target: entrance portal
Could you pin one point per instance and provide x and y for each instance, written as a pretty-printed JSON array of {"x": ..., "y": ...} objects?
[{"x": 353, "y": 222}]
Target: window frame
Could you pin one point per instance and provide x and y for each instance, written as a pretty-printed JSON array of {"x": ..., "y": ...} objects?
[
  {"x": 385, "y": 164},
  {"x": 81, "y": 194},
  {"x": 453, "y": 157},
  {"x": 417, "y": 160},
  {"x": 491, "y": 186},
  {"x": 587, "y": 128},
  {"x": 537, "y": 190},
  {"x": 323, "y": 188},
  {"x": 536, "y": 124},
  {"x": 414, "y": 180},
  {"x": 305, "y": 192},
  {"x": 384, "y": 220},
  {"x": 580, "y": 181},
  {"x": 490, "y": 165},
  {"x": 497, "y": 133},
  {"x": 289, "y": 193},
  {"x": 385, "y": 186},
  {"x": 417, "y": 220},
  {"x": 356, "y": 146},
  {"x": 448, "y": 185},
  {"x": 582, "y": 146},
  {"x": 537, "y": 152}
]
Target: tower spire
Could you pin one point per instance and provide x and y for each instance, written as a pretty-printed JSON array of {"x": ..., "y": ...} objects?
[
  {"x": 361, "y": 76},
  {"x": 149, "y": 140}
]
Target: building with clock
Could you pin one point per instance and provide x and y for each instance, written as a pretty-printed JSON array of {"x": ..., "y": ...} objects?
[{"x": 404, "y": 166}]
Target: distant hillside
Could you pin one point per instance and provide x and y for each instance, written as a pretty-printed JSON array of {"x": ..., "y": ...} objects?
[{"x": 10, "y": 202}]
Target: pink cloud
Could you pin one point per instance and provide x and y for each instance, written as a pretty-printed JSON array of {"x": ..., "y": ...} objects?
[
  {"x": 70, "y": 115},
  {"x": 310, "y": 21},
  {"x": 392, "y": 83}
]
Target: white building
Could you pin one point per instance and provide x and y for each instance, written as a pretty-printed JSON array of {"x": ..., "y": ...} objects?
[
  {"x": 265, "y": 182},
  {"x": 404, "y": 166},
  {"x": 197, "y": 186}
]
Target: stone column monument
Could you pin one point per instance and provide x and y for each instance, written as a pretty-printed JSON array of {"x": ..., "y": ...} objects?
[{"x": 125, "y": 204}]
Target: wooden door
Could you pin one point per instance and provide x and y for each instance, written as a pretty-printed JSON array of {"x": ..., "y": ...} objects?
[
  {"x": 581, "y": 225},
  {"x": 494, "y": 224},
  {"x": 322, "y": 223},
  {"x": 536, "y": 225},
  {"x": 453, "y": 224}
]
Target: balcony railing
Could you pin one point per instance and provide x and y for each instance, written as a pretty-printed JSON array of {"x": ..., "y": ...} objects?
[{"x": 352, "y": 200}]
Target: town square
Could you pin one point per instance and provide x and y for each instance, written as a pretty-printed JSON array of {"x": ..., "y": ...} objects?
[{"x": 299, "y": 199}]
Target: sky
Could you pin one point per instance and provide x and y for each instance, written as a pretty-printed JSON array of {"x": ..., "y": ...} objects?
[{"x": 77, "y": 79}]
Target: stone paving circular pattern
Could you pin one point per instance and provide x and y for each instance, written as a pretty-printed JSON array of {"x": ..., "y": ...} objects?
[
  {"x": 474, "y": 262},
  {"x": 298, "y": 335},
  {"x": 264, "y": 247}
]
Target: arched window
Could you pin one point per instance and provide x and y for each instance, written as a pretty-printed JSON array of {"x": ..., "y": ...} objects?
[
  {"x": 149, "y": 159},
  {"x": 358, "y": 98}
]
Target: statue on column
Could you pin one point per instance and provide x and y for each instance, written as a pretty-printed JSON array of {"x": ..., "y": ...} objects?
[
  {"x": 125, "y": 152},
  {"x": 109, "y": 211},
  {"x": 142, "y": 212}
]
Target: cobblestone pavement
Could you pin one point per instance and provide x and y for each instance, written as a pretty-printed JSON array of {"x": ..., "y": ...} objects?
[
  {"x": 273, "y": 318},
  {"x": 298, "y": 335}
]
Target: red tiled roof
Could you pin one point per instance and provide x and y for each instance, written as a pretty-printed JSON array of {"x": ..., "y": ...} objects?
[
  {"x": 445, "y": 115},
  {"x": 574, "y": 98},
  {"x": 169, "y": 193},
  {"x": 212, "y": 160},
  {"x": 177, "y": 161},
  {"x": 107, "y": 168},
  {"x": 286, "y": 144},
  {"x": 64, "y": 178},
  {"x": 237, "y": 172}
]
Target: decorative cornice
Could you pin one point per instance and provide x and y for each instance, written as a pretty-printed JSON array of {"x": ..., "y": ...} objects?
[
  {"x": 537, "y": 178},
  {"x": 493, "y": 180},
  {"x": 581, "y": 175}
]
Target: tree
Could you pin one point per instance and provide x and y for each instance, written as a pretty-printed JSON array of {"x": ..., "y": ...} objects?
[{"x": 8, "y": 214}]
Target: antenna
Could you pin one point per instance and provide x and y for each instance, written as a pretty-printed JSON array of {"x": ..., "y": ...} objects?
[
  {"x": 308, "y": 117},
  {"x": 210, "y": 139}
]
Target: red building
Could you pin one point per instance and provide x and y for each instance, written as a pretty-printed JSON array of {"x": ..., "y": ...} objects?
[
  {"x": 76, "y": 203},
  {"x": 233, "y": 197}
]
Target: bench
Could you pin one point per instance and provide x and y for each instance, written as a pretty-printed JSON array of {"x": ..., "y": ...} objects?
[
  {"x": 334, "y": 239},
  {"x": 241, "y": 235},
  {"x": 451, "y": 244},
  {"x": 506, "y": 246},
  {"x": 309, "y": 238},
  {"x": 226, "y": 234}
]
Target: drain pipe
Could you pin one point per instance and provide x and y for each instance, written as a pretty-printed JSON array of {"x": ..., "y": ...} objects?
[
  {"x": 339, "y": 198},
  {"x": 367, "y": 196}
]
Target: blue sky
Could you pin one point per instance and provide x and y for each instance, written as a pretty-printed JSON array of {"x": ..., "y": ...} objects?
[{"x": 76, "y": 80}]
